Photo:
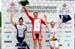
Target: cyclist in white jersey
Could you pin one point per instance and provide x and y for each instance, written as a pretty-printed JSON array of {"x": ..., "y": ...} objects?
[{"x": 53, "y": 33}]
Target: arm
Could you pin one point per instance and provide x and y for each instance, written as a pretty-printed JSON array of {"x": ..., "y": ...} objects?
[
  {"x": 43, "y": 22},
  {"x": 11, "y": 19},
  {"x": 45, "y": 17},
  {"x": 46, "y": 23},
  {"x": 60, "y": 21},
  {"x": 27, "y": 13}
]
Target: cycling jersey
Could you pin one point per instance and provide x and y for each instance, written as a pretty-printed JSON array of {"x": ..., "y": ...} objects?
[
  {"x": 53, "y": 31},
  {"x": 21, "y": 32}
]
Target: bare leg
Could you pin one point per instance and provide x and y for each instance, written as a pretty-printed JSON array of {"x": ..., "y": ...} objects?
[
  {"x": 40, "y": 44},
  {"x": 35, "y": 42},
  {"x": 57, "y": 48},
  {"x": 17, "y": 47}
]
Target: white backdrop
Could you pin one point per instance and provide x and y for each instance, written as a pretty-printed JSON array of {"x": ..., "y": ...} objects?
[{"x": 65, "y": 33}]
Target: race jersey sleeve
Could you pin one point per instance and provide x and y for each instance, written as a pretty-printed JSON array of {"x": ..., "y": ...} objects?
[
  {"x": 27, "y": 13},
  {"x": 25, "y": 28},
  {"x": 42, "y": 21}
]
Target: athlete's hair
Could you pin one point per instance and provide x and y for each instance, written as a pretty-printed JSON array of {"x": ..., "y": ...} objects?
[
  {"x": 51, "y": 22},
  {"x": 21, "y": 18},
  {"x": 35, "y": 11}
]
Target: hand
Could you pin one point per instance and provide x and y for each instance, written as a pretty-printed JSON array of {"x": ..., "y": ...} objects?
[
  {"x": 46, "y": 26},
  {"x": 45, "y": 16},
  {"x": 59, "y": 23},
  {"x": 24, "y": 40},
  {"x": 23, "y": 6},
  {"x": 12, "y": 12}
]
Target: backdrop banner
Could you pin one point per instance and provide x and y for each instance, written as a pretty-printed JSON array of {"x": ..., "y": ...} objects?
[{"x": 52, "y": 8}]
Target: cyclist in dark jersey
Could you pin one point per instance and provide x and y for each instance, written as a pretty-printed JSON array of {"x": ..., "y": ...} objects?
[{"x": 21, "y": 30}]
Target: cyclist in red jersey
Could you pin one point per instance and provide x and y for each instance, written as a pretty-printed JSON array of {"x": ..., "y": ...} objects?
[{"x": 36, "y": 27}]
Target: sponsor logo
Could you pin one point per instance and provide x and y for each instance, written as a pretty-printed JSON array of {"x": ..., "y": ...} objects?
[
  {"x": 29, "y": 31},
  {"x": 68, "y": 44},
  {"x": 68, "y": 23},
  {"x": 68, "y": 31},
  {"x": 66, "y": 40},
  {"x": 8, "y": 32},
  {"x": 58, "y": 40},
  {"x": 28, "y": 23},
  {"x": 59, "y": 31},
  {"x": 47, "y": 40},
  {"x": 47, "y": 31},
  {"x": 68, "y": 27},
  {"x": 7, "y": 27},
  {"x": 7, "y": 41},
  {"x": 7, "y": 23},
  {"x": 68, "y": 36},
  {"x": 60, "y": 27}
]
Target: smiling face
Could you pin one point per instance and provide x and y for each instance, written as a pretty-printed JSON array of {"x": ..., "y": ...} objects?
[
  {"x": 35, "y": 14},
  {"x": 20, "y": 20},
  {"x": 52, "y": 24}
]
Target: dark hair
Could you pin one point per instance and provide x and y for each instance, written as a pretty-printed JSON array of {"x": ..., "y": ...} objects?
[{"x": 21, "y": 18}]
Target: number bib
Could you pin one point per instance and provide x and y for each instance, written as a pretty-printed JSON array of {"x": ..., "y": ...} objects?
[
  {"x": 20, "y": 30},
  {"x": 37, "y": 25},
  {"x": 20, "y": 34}
]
